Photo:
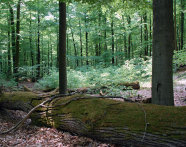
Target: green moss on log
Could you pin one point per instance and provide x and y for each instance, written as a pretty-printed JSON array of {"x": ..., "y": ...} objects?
[
  {"x": 17, "y": 96},
  {"x": 99, "y": 113}
]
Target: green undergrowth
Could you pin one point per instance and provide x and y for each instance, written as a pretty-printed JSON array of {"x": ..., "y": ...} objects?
[
  {"x": 7, "y": 83},
  {"x": 96, "y": 113},
  {"x": 136, "y": 69}
]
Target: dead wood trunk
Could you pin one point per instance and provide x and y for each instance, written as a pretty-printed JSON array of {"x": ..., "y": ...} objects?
[{"x": 107, "y": 120}]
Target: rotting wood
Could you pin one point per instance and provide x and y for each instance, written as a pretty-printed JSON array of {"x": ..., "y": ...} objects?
[{"x": 116, "y": 122}]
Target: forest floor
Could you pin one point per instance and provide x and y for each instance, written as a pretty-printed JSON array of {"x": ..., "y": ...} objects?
[{"x": 33, "y": 136}]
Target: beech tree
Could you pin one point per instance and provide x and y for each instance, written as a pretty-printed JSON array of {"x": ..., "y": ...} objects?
[
  {"x": 62, "y": 48},
  {"x": 163, "y": 46}
]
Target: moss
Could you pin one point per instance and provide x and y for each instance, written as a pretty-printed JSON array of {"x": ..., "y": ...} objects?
[
  {"x": 18, "y": 96},
  {"x": 108, "y": 113},
  {"x": 100, "y": 113}
]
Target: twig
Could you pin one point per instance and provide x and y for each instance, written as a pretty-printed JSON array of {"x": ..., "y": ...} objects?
[
  {"x": 20, "y": 123},
  {"x": 146, "y": 123}
]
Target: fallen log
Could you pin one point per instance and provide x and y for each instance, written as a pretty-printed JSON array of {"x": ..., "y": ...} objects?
[{"x": 120, "y": 123}]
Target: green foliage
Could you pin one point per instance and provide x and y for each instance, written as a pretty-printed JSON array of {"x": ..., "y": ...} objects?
[
  {"x": 49, "y": 81},
  {"x": 96, "y": 77},
  {"x": 5, "y": 83},
  {"x": 179, "y": 59}
]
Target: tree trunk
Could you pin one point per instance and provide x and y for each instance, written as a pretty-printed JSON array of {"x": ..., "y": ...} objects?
[
  {"x": 129, "y": 38},
  {"x": 175, "y": 32},
  {"x": 86, "y": 38},
  {"x": 30, "y": 42},
  {"x": 17, "y": 39},
  {"x": 74, "y": 44},
  {"x": 163, "y": 46},
  {"x": 150, "y": 33},
  {"x": 141, "y": 36},
  {"x": 9, "y": 72},
  {"x": 81, "y": 43},
  {"x": 105, "y": 34},
  {"x": 117, "y": 122},
  {"x": 145, "y": 34},
  {"x": 38, "y": 46},
  {"x": 112, "y": 31},
  {"x": 62, "y": 48},
  {"x": 182, "y": 24},
  {"x": 13, "y": 35}
]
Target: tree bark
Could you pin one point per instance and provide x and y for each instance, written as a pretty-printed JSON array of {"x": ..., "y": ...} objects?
[
  {"x": 81, "y": 42},
  {"x": 145, "y": 33},
  {"x": 9, "y": 72},
  {"x": 38, "y": 45},
  {"x": 86, "y": 38},
  {"x": 62, "y": 48},
  {"x": 163, "y": 46},
  {"x": 12, "y": 35},
  {"x": 129, "y": 38},
  {"x": 175, "y": 32},
  {"x": 112, "y": 31},
  {"x": 120, "y": 123},
  {"x": 182, "y": 24},
  {"x": 17, "y": 39}
]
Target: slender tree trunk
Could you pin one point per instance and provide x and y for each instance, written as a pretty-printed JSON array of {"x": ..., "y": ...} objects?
[
  {"x": 57, "y": 33},
  {"x": 62, "y": 48},
  {"x": 175, "y": 32},
  {"x": 17, "y": 39},
  {"x": 182, "y": 24},
  {"x": 124, "y": 38},
  {"x": 99, "y": 45},
  {"x": 141, "y": 36},
  {"x": 48, "y": 54},
  {"x": 51, "y": 54},
  {"x": 163, "y": 46},
  {"x": 150, "y": 33},
  {"x": 86, "y": 38},
  {"x": 145, "y": 34},
  {"x": 129, "y": 38},
  {"x": 81, "y": 43},
  {"x": 50, "y": 51},
  {"x": 112, "y": 31},
  {"x": 68, "y": 51},
  {"x": 9, "y": 73},
  {"x": 13, "y": 36},
  {"x": 38, "y": 47},
  {"x": 31, "y": 48},
  {"x": 105, "y": 34},
  {"x": 74, "y": 44},
  {"x": 42, "y": 58}
]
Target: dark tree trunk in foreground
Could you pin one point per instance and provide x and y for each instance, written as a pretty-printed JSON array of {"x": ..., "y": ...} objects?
[
  {"x": 62, "y": 48},
  {"x": 163, "y": 46},
  {"x": 117, "y": 122}
]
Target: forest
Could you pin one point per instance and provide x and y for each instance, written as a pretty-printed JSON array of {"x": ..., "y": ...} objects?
[{"x": 92, "y": 73}]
